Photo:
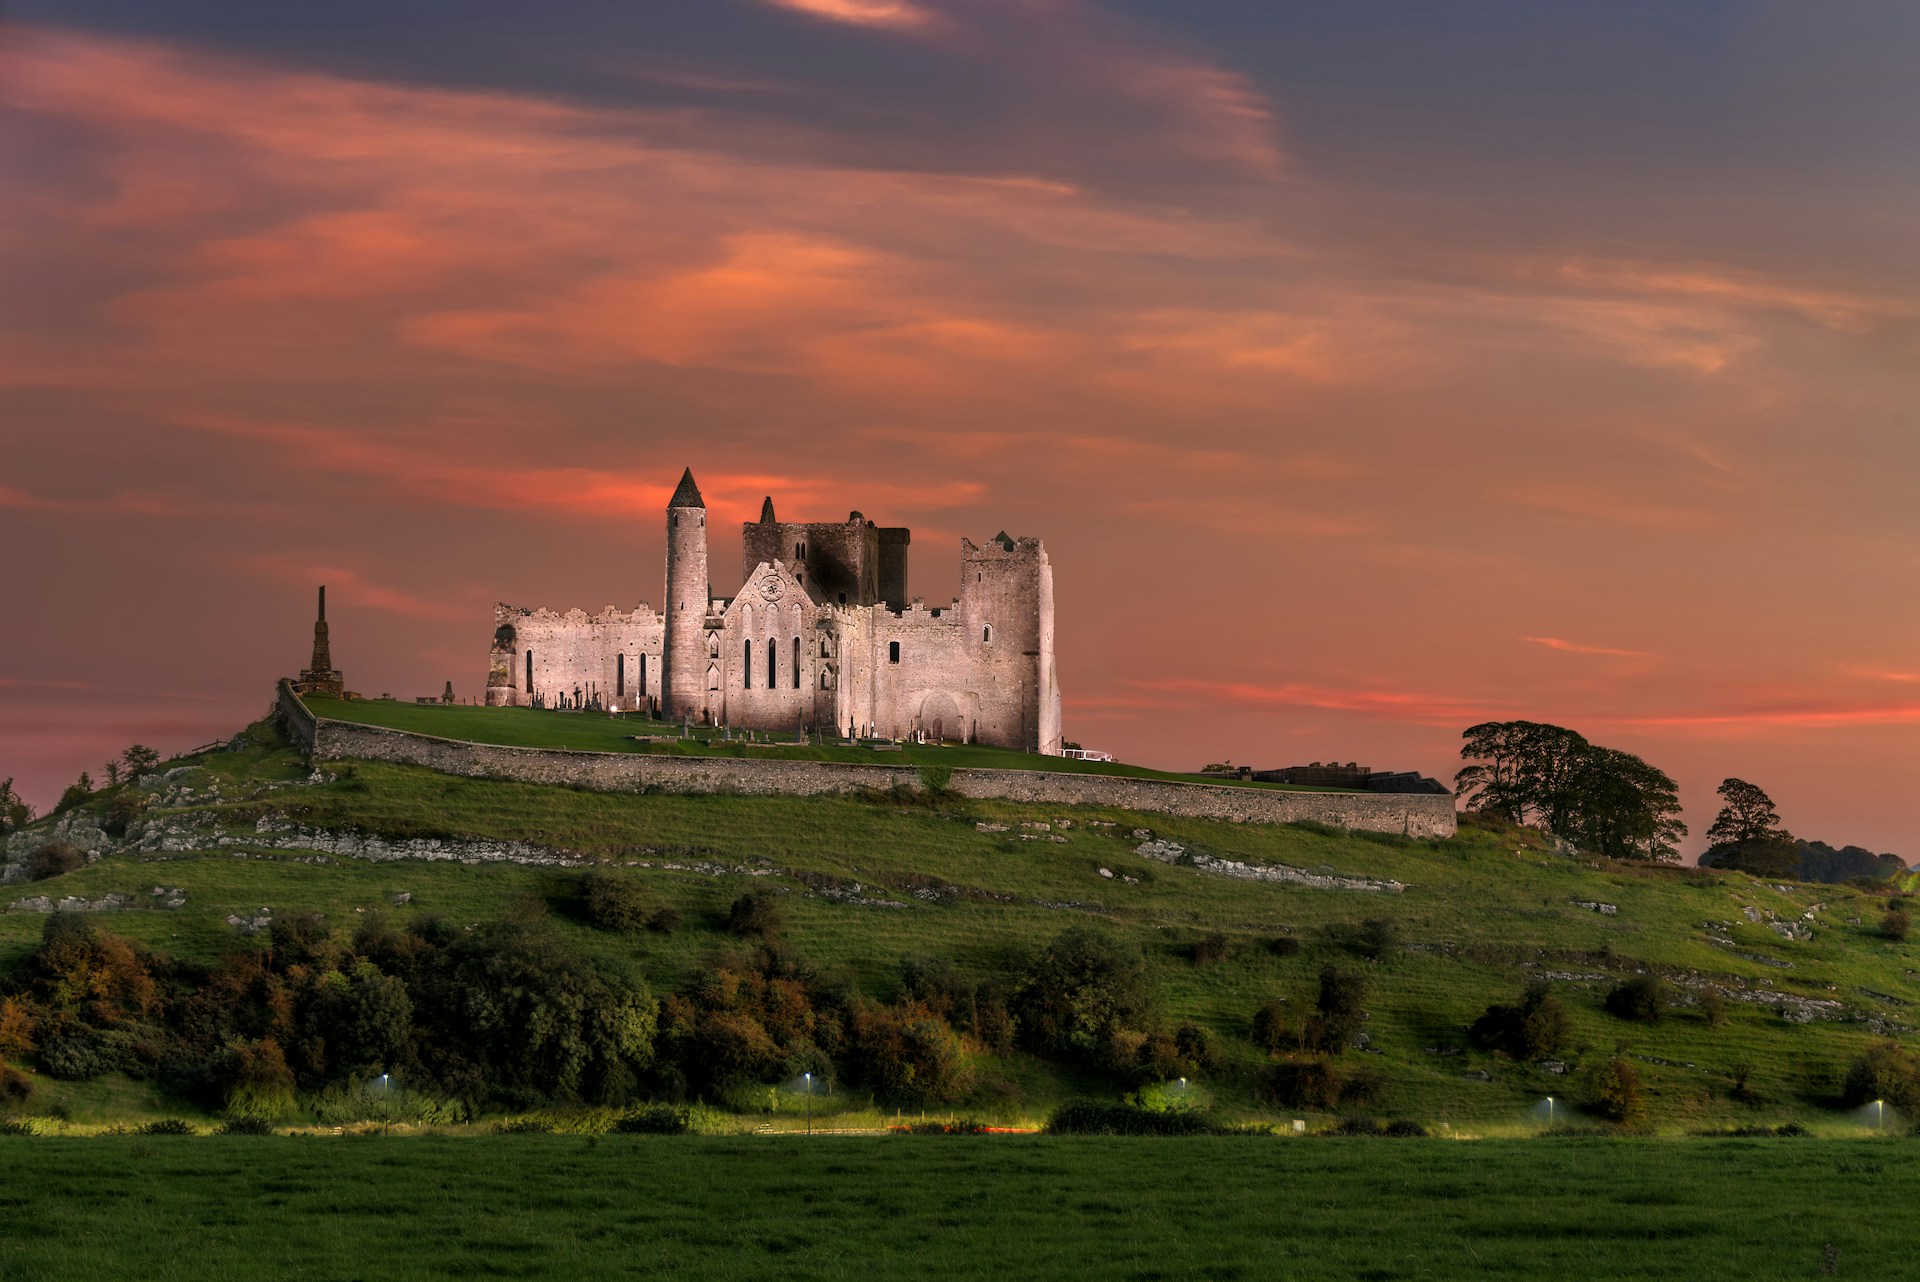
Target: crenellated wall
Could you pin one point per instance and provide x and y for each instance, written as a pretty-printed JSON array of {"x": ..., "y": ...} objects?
[{"x": 1411, "y": 815}]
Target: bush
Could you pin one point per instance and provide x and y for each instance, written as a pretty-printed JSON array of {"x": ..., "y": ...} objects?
[
  {"x": 1208, "y": 949},
  {"x": 1887, "y": 1072},
  {"x": 523, "y": 1126},
  {"x": 1090, "y": 1117},
  {"x": 1743, "y": 1087},
  {"x": 166, "y": 1126},
  {"x": 53, "y": 859},
  {"x": 1713, "y": 1008},
  {"x": 77, "y": 1052},
  {"x": 1271, "y": 1028},
  {"x": 1303, "y": 1083},
  {"x": 1534, "y": 1029},
  {"x": 654, "y": 1119},
  {"x": 1339, "y": 1011},
  {"x": 936, "y": 781},
  {"x": 1615, "y": 1093},
  {"x": 1642, "y": 999},
  {"x": 245, "y": 1126},
  {"x": 962, "y": 1126},
  {"x": 1284, "y": 946},
  {"x": 1085, "y": 988},
  {"x": 1376, "y": 937},
  {"x": 1399, "y": 1128},
  {"x": 664, "y": 920},
  {"x": 1896, "y": 924},
  {"x": 614, "y": 902},
  {"x": 15, "y": 1086},
  {"x": 755, "y": 913}
]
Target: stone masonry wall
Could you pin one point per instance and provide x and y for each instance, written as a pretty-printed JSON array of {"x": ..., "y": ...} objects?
[{"x": 1412, "y": 815}]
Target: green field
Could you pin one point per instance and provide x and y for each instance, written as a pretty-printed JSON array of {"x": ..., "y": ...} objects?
[
  {"x": 997, "y": 1208},
  {"x": 601, "y": 732},
  {"x": 865, "y": 882}
]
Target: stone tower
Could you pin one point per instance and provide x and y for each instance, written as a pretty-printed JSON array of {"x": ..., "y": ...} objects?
[
  {"x": 688, "y": 590},
  {"x": 319, "y": 676}
]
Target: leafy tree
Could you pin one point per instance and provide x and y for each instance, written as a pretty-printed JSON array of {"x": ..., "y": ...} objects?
[
  {"x": 1748, "y": 814},
  {"x": 1642, "y": 999},
  {"x": 1080, "y": 991},
  {"x": 1615, "y": 1092},
  {"x": 1339, "y": 1010},
  {"x": 112, "y": 769},
  {"x": 1887, "y": 1072},
  {"x": 1534, "y": 1029},
  {"x": 614, "y": 902},
  {"x": 53, "y": 859},
  {"x": 1623, "y": 808},
  {"x": 754, "y": 913},
  {"x": 139, "y": 759},
  {"x": 1606, "y": 801},
  {"x": 14, "y": 812}
]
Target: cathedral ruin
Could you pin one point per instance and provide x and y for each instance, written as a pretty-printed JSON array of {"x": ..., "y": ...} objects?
[{"x": 821, "y": 637}]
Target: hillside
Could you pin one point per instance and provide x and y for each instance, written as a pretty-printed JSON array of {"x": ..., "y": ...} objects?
[{"x": 233, "y": 839}]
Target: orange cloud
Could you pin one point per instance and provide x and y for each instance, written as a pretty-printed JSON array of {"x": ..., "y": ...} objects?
[
  {"x": 1571, "y": 647},
  {"x": 860, "y": 13}
]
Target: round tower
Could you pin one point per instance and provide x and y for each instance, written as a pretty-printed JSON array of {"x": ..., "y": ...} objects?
[{"x": 684, "y": 681}]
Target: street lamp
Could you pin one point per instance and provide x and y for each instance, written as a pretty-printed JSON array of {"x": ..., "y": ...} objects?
[
  {"x": 809, "y": 1081},
  {"x": 1549, "y": 1112},
  {"x": 1880, "y": 1115}
]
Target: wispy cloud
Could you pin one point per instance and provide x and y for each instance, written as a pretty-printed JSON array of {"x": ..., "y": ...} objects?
[
  {"x": 1574, "y": 647},
  {"x": 896, "y": 14}
]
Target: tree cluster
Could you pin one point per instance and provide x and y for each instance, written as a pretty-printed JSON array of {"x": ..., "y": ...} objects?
[{"x": 1603, "y": 800}]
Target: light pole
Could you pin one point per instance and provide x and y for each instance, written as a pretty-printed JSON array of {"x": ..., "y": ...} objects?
[
  {"x": 1880, "y": 1115},
  {"x": 1549, "y": 1112},
  {"x": 809, "y": 1081}
]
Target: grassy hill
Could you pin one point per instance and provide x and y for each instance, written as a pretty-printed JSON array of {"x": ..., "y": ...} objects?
[{"x": 246, "y": 832}]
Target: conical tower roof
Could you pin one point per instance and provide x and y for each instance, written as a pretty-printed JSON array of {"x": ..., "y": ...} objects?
[
  {"x": 766, "y": 510},
  {"x": 687, "y": 494}
]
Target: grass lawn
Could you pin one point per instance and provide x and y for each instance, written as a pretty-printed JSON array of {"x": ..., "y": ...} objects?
[
  {"x": 998, "y": 1208},
  {"x": 599, "y": 732}
]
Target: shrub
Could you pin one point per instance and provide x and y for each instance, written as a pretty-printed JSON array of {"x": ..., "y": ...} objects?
[
  {"x": 1303, "y": 1083},
  {"x": 1082, "y": 990},
  {"x": 1284, "y": 946},
  {"x": 1376, "y": 937},
  {"x": 1896, "y": 923},
  {"x": 1743, "y": 1087},
  {"x": 1399, "y": 1128},
  {"x": 1194, "y": 1045},
  {"x": 17, "y": 1126},
  {"x": 614, "y": 902},
  {"x": 1271, "y": 1028},
  {"x": 127, "y": 807},
  {"x": 654, "y": 1119},
  {"x": 1090, "y": 1117},
  {"x": 245, "y": 1126},
  {"x": 1642, "y": 999},
  {"x": 756, "y": 913},
  {"x": 961, "y": 1126},
  {"x": 1208, "y": 949},
  {"x": 1536, "y": 1028},
  {"x": 664, "y": 920},
  {"x": 1713, "y": 1008},
  {"x": 53, "y": 859},
  {"x": 1887, "y": 1072},
  {"x": 262, "y": 1084},
  {"x": 523, "y": 1126},
  {"x": 1615, "y": 1093},
  {"x": 936, "y": 781},
  {"x": 1339, "y": 1011},
  {"x": 166, "y": 1126},
  {"x": 77, "y": 1052},
  {"x": 905, "y": 1057}
]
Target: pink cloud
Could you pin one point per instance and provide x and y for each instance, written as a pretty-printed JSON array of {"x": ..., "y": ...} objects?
[{"x": 1573, "y": 647}]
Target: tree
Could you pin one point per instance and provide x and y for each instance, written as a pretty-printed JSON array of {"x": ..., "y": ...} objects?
[
  {"x": 1748, "y": 815},
  {"x": 1760, "y": 857},
  {"x": 1521, "y": 771},
  {"x": 1083, "y": 989},
  {"x": 1338, "y": 1011},
  {"x": 14, "y": 813},
  {"x": 1535, "y": 1029},
  {"x": 139, "y": 759},
  {"x": 1623, "y": 808}
]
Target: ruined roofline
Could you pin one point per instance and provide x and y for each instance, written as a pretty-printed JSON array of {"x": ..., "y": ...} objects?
[{"x": 505, "y": 613}]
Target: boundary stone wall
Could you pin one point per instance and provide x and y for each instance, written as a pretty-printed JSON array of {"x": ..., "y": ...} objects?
[{"x": 1413, "y": 815}]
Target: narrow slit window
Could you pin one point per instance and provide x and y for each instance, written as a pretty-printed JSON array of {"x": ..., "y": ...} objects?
[
  {"x": 796, "y": 663},
  {"x": 773, "y": 678},
  {"x": 746, "y": 665},
  {"x": 893, "y": 652},
  {"x": 986, "y": 633},
  {"x": 529, "y": 672},
  {"x": 619, "y": 675},
  {"x": 643, "y": 674}
]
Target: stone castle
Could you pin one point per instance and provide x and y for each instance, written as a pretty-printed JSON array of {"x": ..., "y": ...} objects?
[{"x": 820, "y": 637}]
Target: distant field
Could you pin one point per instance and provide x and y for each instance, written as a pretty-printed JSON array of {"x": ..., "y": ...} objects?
[
  {"x": 599, "y": 732},
  {"x": 996, "y": 1208}
]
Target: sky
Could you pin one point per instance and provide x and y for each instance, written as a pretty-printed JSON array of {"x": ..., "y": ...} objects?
[{"x": 1370, "y": 368}]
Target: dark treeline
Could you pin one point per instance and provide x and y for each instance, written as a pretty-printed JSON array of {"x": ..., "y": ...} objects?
[
  {"x": 509, "y": 1014},
  {"x": 1603, "y": 800}
]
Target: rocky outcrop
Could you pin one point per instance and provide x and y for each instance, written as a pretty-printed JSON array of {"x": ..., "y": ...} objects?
[{"x": 1168, "y": 852}]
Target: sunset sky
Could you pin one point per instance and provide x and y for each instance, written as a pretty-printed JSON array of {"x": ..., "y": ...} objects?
[{"x": 1370, "y": 367}]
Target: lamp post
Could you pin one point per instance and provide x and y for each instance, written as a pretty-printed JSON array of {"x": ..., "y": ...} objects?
[
  {"x": 1549, "y": 1112},
  {"x": 1880, "y": 1115},
  {"x": 809, "y": 1081}
]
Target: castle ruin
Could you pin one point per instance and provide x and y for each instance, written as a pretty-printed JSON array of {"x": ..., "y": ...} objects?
[{"x": 821, "y": 637}]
